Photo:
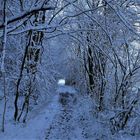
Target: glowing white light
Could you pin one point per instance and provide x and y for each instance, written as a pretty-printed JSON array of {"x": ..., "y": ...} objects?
[{"x": 61, "y": 82}]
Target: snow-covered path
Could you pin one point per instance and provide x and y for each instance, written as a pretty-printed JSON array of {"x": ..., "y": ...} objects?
[
  {"x": 64, "y": 124},
  {"x": 73, "y": 121},
  {"x": 34, "y": 129},
  {"x": 52, "y": 121}
]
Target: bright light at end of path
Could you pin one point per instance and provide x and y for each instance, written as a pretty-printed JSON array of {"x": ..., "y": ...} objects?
[{"x": 61, "y": 82}]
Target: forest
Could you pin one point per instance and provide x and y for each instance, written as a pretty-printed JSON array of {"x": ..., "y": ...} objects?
[{"x": 69, "y": 69}]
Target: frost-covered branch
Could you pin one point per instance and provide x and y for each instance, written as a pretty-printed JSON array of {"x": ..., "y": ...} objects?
[{"x": 26, "y": 14}]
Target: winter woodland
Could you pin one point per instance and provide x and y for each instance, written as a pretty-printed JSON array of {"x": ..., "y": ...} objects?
[{"x": 69, "y": 69}]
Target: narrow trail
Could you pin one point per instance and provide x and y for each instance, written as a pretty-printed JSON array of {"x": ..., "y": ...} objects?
[
  {"x": 66, "y": 125},
  {"x": 65, "y": 117}
]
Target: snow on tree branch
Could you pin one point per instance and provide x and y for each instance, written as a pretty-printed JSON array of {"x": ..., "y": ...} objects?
[{"x": 26, "y": 14}]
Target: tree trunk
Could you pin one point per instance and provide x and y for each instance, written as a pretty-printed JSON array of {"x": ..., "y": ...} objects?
[{"x": 3, "y": 65}]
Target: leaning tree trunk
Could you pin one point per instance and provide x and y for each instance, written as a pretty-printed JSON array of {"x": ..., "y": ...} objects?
[
  {"x": 20, "y": 78},
  {"x": 29, "y": 64}
]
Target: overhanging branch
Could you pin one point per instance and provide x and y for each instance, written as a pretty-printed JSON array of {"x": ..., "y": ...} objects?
[{"x": 26, "y": 14}]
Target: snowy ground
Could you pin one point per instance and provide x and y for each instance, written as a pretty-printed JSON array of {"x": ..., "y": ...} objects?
[
  {"x": 52, "y": 121},
  {"x": 39, "y": 119}
]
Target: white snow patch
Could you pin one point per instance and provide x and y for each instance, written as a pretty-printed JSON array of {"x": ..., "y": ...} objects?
[{"x": 61, "y": 82}]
